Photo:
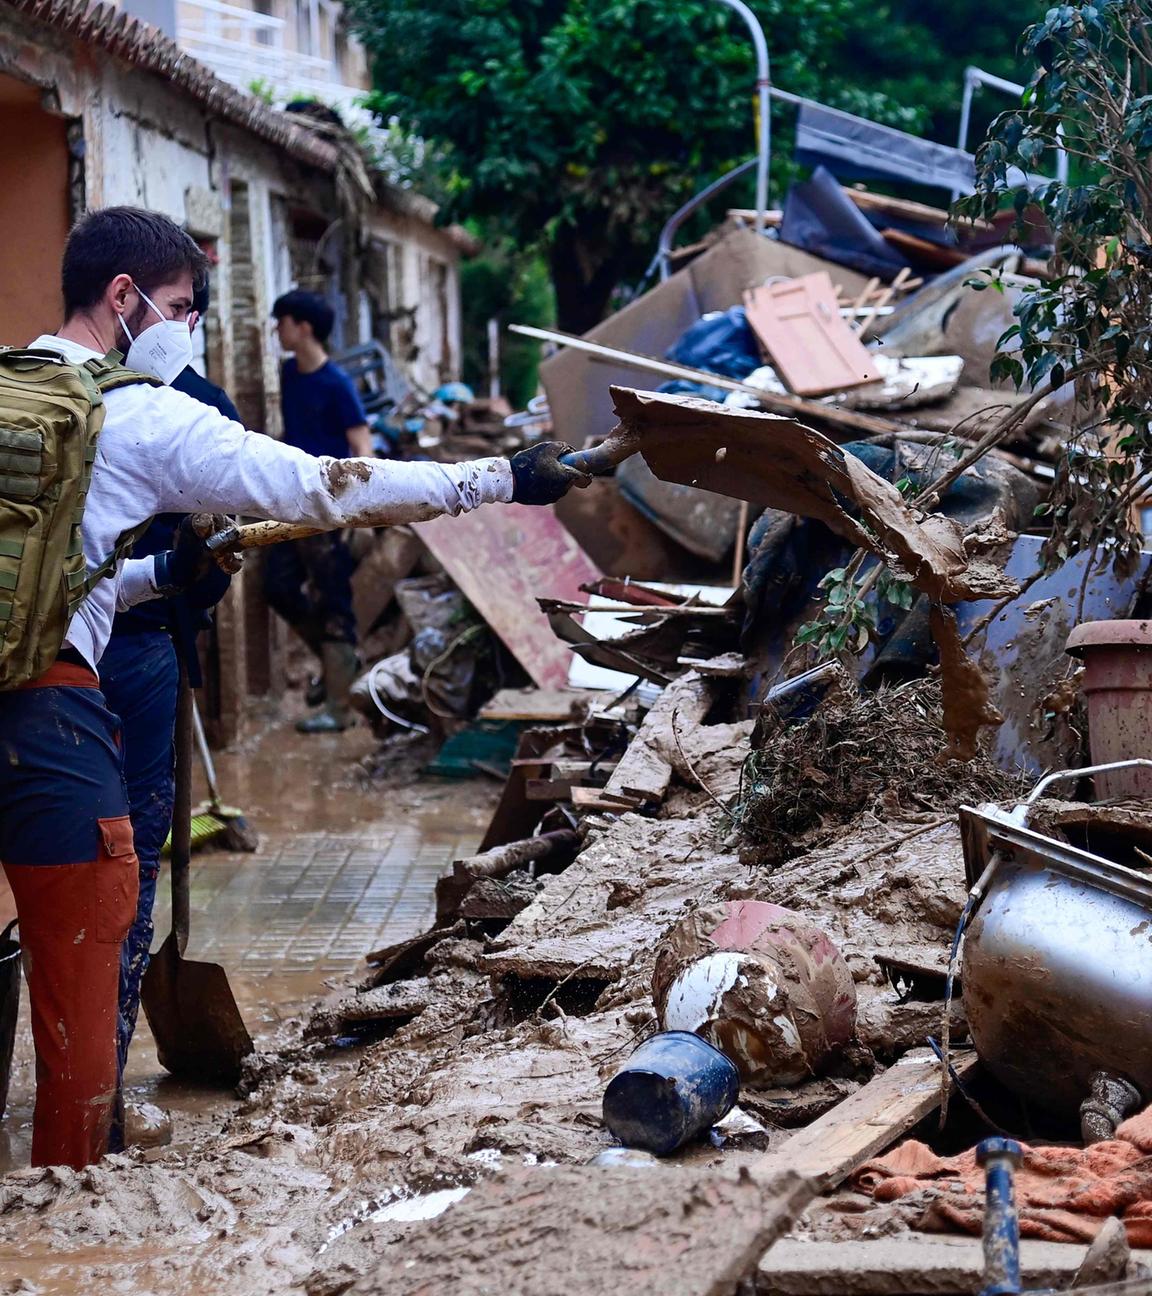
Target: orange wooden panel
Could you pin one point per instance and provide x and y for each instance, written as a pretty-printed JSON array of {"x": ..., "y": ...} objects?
[
  {"x": 799, "y": 325},
  {"x": 505, "y": 556}
]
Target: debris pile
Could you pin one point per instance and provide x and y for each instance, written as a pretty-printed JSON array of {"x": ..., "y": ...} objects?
[
  {"x": 873, "y": 753},
  {"x": 719, "y": 869}
]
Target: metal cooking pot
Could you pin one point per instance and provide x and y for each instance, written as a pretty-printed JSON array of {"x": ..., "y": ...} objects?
[{"x": 1057, "y": 971}]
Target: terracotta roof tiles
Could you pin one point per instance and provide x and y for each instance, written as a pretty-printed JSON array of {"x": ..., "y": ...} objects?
[{"x": 146, "y": 47}]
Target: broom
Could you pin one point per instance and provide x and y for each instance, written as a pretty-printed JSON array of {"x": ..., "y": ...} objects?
[{"x": 213, "y": 823}]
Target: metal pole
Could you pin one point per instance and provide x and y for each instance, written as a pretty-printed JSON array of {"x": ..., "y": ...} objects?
[
  {"x": 668, "y": 233},
  {"x": 763, "y": 88},
  {"x": 493, "y": 358},
  {"x": 975, "y": 77}
]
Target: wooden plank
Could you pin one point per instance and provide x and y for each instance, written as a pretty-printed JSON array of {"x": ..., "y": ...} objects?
[
  {"x": 539, "y": 706},
  {"x": 778, "y": 402},
  {"x": 926, "y": 254},
  {"x": 812, "y": 348},
  {"x": 901, "y": 207},
  {"x": 645, "y": 769},
  {"x": 862, "y": 326},
  {"x": 867, "y": 1122},
  {"x": 586, "y": 1230},
  {"x": 502, "y": 557},
  {"x": 598, "y": 799}
]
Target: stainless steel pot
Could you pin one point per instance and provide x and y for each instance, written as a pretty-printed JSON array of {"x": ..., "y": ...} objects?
[{"x": 1057, "y": 972}]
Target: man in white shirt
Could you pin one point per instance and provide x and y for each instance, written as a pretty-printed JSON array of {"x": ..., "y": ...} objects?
[{"x": 65, "y": 836}]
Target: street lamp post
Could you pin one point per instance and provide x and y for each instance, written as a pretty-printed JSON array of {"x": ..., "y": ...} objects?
[{"x": 763, "y": 85}]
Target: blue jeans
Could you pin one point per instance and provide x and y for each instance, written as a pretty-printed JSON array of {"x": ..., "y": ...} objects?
[{"x": 140, "y": 676}]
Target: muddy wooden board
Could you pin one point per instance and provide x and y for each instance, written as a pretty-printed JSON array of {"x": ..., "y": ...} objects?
[
  {"x": 781, "y": 464},
  {"x": 539, "y": 706},
  {"x": 590, "y": 1230},
  {"x": 503, "y": 557},
  {"x": 867, "y": 1122}
]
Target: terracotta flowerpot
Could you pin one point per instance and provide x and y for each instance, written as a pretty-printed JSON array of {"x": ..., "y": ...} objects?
[{"x": 1118, "y": 685}]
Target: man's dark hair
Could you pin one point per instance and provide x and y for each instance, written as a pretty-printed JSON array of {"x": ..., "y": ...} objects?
[
  {"x": 306, "y": 308},
  {"x": 150, "y": 247},
  {"x": 202, "y": 297}
]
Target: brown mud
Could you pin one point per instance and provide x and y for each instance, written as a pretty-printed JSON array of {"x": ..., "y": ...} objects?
[{"x": 326, "y": 1175}]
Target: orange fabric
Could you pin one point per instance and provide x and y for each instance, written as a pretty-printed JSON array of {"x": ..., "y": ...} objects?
[
  {"x": 65, "y": 675},
  {"x": 73, "y": 920},
  {"x": 1062, "y": 1194}
]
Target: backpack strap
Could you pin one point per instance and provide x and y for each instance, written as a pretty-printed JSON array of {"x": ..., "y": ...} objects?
[{"x": 108, "y": 374}]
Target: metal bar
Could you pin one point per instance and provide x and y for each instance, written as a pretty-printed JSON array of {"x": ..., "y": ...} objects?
[
  {"x": 670, "y": 230},
  {"x": 763, "y": 86},
  {"x": 975, "y": 77},
  {"x": 1059, "y": 775}
]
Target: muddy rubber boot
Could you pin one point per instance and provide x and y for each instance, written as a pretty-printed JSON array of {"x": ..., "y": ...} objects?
[{"x": 340, "y": 667}]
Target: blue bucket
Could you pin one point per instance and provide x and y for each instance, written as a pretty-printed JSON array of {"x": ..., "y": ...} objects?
[{"x": 671, "y": 1090}]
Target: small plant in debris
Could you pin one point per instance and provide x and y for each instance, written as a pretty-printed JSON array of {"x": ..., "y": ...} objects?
[
  {"x": 848, "y": 620},
  {"x": 1091, "y": 321}
]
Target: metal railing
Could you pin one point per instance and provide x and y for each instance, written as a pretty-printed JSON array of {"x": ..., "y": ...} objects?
[{"x": 243, "y": 46}]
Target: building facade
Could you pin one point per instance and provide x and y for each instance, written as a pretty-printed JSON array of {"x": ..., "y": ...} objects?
[{"x": 98, "y": 107}]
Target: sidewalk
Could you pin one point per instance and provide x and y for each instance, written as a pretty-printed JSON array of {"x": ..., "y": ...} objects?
[{"x": 345, "y": 866}]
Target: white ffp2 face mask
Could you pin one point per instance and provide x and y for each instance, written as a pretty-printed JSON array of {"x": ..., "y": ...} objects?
[{"x": 163, "y": 350}]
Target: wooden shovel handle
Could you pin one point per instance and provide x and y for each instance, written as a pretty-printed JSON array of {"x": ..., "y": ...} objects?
[{"x": 180, "y": 856}]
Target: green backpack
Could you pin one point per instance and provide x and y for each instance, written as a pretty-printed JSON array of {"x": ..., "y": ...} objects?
[{"x": 51, "y": 412}]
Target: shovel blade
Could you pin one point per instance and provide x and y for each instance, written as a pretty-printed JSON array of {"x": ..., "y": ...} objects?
[{"x": 192, "y": 1013}]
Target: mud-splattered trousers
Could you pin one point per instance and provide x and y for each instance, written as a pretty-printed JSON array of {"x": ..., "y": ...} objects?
[
  {"x": 140, "y": 676},
  {"x": 309, "y": 583},
  {"x": 67, "y": 850}
]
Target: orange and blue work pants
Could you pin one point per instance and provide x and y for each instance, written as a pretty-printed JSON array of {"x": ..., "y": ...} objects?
[{"x": 67, "y": 851}]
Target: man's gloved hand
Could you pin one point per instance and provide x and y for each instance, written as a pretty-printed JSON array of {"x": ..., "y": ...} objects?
[
  {"x": 538, "y": 476},
  {"x": 190, "y": 560}
]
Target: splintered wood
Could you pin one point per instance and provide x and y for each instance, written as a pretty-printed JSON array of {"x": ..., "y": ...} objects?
[
  {"x": 783, "y": 465},
  {"x": 645, "y": 770}
]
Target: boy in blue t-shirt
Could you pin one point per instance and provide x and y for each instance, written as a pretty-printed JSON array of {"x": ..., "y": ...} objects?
[{"x": 309, "y": 582}]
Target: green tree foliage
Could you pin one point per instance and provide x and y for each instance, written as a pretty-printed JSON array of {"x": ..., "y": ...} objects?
[
  {"x": 581, "y": 125},
  {"x": 914, "y": 54},
  {"x": 507, "y": 284},
  {"x": 583, "y": 121},
  {"x": 1090, "y": 321}
]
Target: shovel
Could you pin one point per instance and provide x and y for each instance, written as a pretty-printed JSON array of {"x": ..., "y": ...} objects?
[{"x": 190, "y": 1007}]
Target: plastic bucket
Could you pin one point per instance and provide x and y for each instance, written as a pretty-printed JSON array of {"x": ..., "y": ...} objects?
[
  {"x": 1118, "y": 688},
  {"x": 9, "y": 1007},
  {"x": 673, "y": 1088}
]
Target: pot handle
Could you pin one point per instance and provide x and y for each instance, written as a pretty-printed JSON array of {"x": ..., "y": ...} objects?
[{"x": 1021, "y": 811}]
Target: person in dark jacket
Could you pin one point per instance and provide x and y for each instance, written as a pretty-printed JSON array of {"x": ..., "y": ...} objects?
[
  {"x": 309, "y": 582},
  {"x": 140, "y": 676}
]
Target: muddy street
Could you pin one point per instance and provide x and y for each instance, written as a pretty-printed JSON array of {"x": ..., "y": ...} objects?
[{"x": 345, "y": 865}]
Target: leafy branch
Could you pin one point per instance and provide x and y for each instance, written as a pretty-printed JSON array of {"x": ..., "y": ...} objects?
[{"x": 1090, "y": 321}]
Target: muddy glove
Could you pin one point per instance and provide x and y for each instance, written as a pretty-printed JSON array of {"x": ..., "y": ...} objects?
[
  {"x": 538, "y": 476},
  {"x": 190, "y": 560}
]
